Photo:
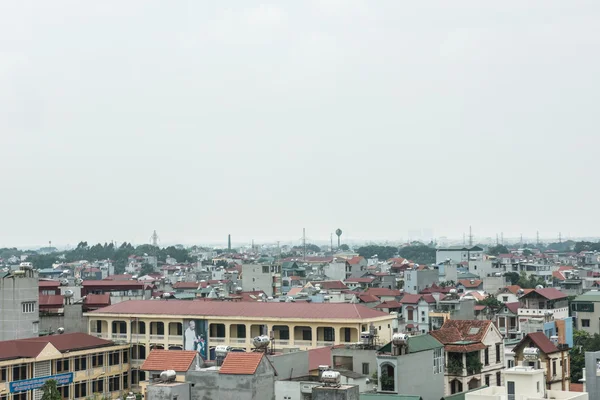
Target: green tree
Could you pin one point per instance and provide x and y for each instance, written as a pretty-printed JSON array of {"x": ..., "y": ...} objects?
[
  {"x": 492, "y": 302},
  {"x": 421, "y": 254},
  {"x": 312, "y": 248},
  {"x": 49, "y": 391},
  {"x": 381, "y": 252},
  {"x": 527, "y": 252},
  {"x": 344, "y": 247},
  {"x": 498, "y": 249},
  {"x": 147, "y": 269},
  {"x": 513, "y": 276}
]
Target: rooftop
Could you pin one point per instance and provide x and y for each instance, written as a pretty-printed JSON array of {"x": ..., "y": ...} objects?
[
  {"x": 539, "y": 340},
  {"x": 462, "y": 336},
  {"x": 416, "y": 344},
  {"x": 547, "y": 293},
  {"x": 237, "y": 363},
  {"x": 592, "y": 295},
  {"x": 243, "y": 309},
  {"x": 31, "y": 348},
  {"x": 177, "y": 360}
]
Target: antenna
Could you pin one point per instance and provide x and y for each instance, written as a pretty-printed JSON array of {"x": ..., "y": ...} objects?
[
  {"x": 154, "y": 239},
  {"x": 497, "y": 243},
  {"x": 229, "y": 242},
  {"x": 331, "y": 240}
]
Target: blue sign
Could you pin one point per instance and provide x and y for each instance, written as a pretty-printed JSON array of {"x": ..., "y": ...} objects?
[{"x": 36, "y": 383}]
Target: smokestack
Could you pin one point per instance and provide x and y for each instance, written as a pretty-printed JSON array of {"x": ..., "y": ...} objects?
[{"x": 229, "y": 242}]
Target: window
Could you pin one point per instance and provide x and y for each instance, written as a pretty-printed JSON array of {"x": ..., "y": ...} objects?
[
  {"x": 584, "y": 307},
  {"x": 538, "y": 386},
  {"x": 97, "y": 360},
  {"x": 486, "y": 355},
  {"x": 422, "y": 312},
  {"x": 505, "y": 299},
  {"x": 487, "y": 380},
  {"x": 28, "y": 307},
  {"x": 98, "y": 386},
  {"x": 81, "y": 389},
  {"x": 114, "y": 383},
  {"x": 498, "y": 379},
  {"x": 3, "y": 374},
  {"x": 19, "y": 372},
  {"x": 510, "y": 363},
  {"x": 498, "y": 354},
  {"x": 328, "y": 334},
  {"x": 64, "y": 391},
  {"x": 365, "y": 368},
  {"x": 585, "y": 323},
  {"x": 62, "y": 365},
  {"x": 113, "y": 358},
  {"x": 125, "y": 356},
  {"x": 265, "y": 269},
  {"x": 553, "y": 367},
  {"x": 125, "y": 381},
  {"x": 410, "y": 315},
  {"x": 20, "y": 396},
  {"x": 438, "y": 361}
]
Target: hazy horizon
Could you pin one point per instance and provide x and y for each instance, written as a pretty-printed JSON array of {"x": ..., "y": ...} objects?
[{"x": 200, "y": 119}]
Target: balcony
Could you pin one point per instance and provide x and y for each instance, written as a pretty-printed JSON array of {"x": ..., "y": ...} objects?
[
  {"x": 216, "y": 340},
  {"x": 119, "y": 336},
  {"x": 324, "y": 343},
  {"x": 562, "y": 312},
  {"x": 138, "y": 336},
  {"x": 281, "y": 342},
  {"x": 303, "y": 343},
  {"x": 157, "y": 338},
  {"x": 100, "y": 335},
  {"x": 175, "y": 339},
  {"x": 237, "y": 340}
]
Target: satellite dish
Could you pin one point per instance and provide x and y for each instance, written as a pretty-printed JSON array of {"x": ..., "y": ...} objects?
[{"x": 60, "y": 330}]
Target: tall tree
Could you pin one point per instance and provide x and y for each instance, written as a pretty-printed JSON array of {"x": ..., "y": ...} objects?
[{"x": 50, "y": 391}]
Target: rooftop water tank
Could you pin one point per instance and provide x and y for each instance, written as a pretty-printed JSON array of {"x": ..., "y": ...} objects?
[{"x": 331, "y": 377}]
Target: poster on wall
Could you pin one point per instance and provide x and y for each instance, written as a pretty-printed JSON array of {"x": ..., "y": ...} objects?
[{"x": 194, "y": 336}]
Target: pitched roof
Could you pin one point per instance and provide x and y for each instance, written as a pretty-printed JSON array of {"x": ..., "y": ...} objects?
[
  {"x": 28, "y": 348},
  {"x": 294, "y": 291},
  {"x": 368, "y": 298},
  {"x": 118, "y": 277},
  {"x": 355, "y": 260},
  {"x": 383, "y": 292},
  {"x": 243, "y": 309},
  {"x": 187, "y": 285},
  {"x": 109, "y": 284},
  {"x": 513, "y": 307},
  {"x": 415, "y": 298},
  {"x": 359, "y": 280},
  {"x": 512, "y": 289},
  {"x": 50, "y": 300},
  {"x": 540, "y": 341},
  {"x": 177, "y": 360},
  {"x": 237, "y": 363},
  {"x": 415, "y": 344},
  {"x": 97, "y": 299},
  {"x": 389, "y": 304},
  {"x": 467, "y": 283},
  {"x": 548, "y": 293},
  {"x": 48, "y": 284},
  {"x": 319, "y": 356},
  {"x": 462, "y": 336},
  {"x": 329, "y": 284}
]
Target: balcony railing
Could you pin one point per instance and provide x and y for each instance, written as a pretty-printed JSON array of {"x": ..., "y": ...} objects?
[
  {"x": 100, "y": 335},
  {"x": 138, "y": 336},
  {"x": 119, "y": 336},
  {"x": 175, "y": 339},
  {"x": 324, "y": 343},
  {"x": 303, "y": 343},
  {"x": 216, "y": 340},
  {"x": 282, "y": 342},
  {"x": 238, "y": 340},
  {"x": 159, "y": 338}
]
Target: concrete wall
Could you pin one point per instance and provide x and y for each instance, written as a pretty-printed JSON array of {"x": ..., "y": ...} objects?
[
  {"x": 416, "y": 377},
  {"x": 254, "y": 279},
  {"x": 292, "y": 390},
  {"x": 415, "y": 281},
  {"x": 17, "y": 324},
  {"x": 331, "y": 393},
  {"x": 72, "y": 320},
  {"x": 290, "y": 365},
  {"x": 168, "y": 391},
  {"x": 335, "y": 271},
  {"x": 261, "y": 385},
  {"x": 358, "y": 358},
  {"x": 592, "y": 380},
  {"x": 205, "y": 384}
]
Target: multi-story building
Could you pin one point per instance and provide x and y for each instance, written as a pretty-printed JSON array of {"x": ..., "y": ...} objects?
[
  {"x": 553, "y": 358},
  {"x": 415, "y": 368},
  {"x": 416, "y": 280},
  {"x": 19, "y": 304},
  {"x": 507, "y": 321},
  {"x": 202, "y": 325},
  {"x": 546, "y": 301},
  {"x": 586, "y": 310},
  {"x": 82, "y": 365},
  {"x": 414, "y": 316},
  {"x": 265, "y": 277},
  {"x": 474, "y": 354},
  {"x": 458, "y": 254}
]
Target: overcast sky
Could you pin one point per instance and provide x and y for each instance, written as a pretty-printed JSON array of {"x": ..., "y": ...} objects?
[{"x": 203, "y": 118}]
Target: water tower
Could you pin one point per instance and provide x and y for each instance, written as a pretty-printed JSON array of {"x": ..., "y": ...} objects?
[{"x": 338, "y": 232}]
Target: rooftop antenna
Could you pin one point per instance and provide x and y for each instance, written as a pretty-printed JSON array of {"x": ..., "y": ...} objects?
[
  {"x": 229, "y": 242},
  {"x": 154, "y": 239}
]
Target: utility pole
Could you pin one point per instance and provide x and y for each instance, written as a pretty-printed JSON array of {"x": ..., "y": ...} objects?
[
  {"x": 278, "y": 252},
  {"x": 537, "y": 238},
  {"x": 331, "y": 241}
]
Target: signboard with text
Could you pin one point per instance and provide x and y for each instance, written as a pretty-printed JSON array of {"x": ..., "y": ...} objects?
[{"x": 37, "y": 383}]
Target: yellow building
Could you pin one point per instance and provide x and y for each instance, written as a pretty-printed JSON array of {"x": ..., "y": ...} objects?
[
  {"x": 82, "y": 365},
  {"x": 165, "y": 324}
]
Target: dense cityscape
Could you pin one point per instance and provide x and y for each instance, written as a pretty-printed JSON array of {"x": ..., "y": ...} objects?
[{"x": 288, "y": 321}]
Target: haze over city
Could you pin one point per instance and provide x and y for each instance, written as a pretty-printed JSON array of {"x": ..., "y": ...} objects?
[{"x": 200, "y": 119}]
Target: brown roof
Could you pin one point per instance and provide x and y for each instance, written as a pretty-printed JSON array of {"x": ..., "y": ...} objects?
[
  {"x": 50, "y": 300},
  {"x": 383, "y": 292},
  {"x": 389, "y": 304},
  {"x": 319, "y": 356},
  {"x": 97, "y": 299},
  {"x": 548, "y": 293},
  {"x": 539, "y": 340},
  {"x": 243, "y": 309},
  {"x": 48, "y": 284},
  {"x": 330, "y": 284},
  {"x": 355, "y": 260},
  {"x": 238, "y": 363},
  {"x": 29, "y": 348},
  {"x": 177, "y": 360},
  {"x": 513, "y": 307},
  {"x": 368, "y": 298},
  {"x": 467, "y": 283},
  {"x": 461, "y": 335},
  {"x": 118, "y": 277},
  {"x": 109, "y": 284},
  {"x": 187, "y": 285}
]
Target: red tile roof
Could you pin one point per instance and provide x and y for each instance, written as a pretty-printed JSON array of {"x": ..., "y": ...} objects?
[
  {"x": 565, "y": 268},
  {"x": 415, "y": 298},
  {"x": 11, "y": 349},
  {"x": 359, "y": 280},
  {"x": 49, "y": 284},
  {"x": 177, "y": 360},
  {"x": 576, "y": 387},
  {"x": 548, "y": 293},
  {"x": 238, "y": 363},
  {"x": 462, "y": 336},
  {"x": 389, "y": 304},
  {"x": 467, "y": 283},
  {"x": 319, "y": 356},
  {"x": 109, "y": 284},
  {"x": 558, "y": 275},
  {"x": 328, "y": 285},
  {"x": 51, "y": 300},
  {"x": 355, "y": 260},
  {"x": 383, "y": 292},
  {"x": 367, "y": 298},
  {"x": 243, "y": 309},
  {"x": 539, "y": 340},
  {"x": 479, "y": 307},
  {"x": 97, "y": 299},
  {"x": 513, "y": 307},
  {"x": 118, "y": 277},
  {"x": 512, "y": 289}
]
